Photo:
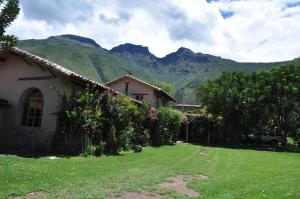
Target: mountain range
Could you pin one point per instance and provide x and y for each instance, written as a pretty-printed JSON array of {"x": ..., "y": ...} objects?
[{"x": 183, "y": 68}]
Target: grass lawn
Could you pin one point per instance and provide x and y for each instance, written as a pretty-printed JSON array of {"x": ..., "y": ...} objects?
[{"x": 232, "y": 173}]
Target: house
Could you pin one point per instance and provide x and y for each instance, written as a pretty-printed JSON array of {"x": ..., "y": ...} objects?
[
  {"x": 141, "y": 90},
  {"x": 31, "y": 91}
]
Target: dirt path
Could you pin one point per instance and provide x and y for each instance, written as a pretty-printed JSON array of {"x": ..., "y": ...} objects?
[
  {"x": 136, "y": 195},
  {"x": 33, "y": 195},
  {"x": 179, "y": 184},
  {"x": 176, "y": 183}
]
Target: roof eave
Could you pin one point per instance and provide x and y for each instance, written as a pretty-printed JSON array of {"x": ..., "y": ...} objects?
[
  {"x": 167, "y": 96},
  {"x": 62, "y": 70},
  {"x": 56, "y": 67},
  {"x": 164, "y": 93}
]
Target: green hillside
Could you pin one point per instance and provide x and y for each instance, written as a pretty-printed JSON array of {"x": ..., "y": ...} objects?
[{"x": 184, "y": 68}]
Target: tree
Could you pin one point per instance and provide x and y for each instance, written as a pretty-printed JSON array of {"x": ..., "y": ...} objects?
[
  {"x": 8, "y": 13},
  {"x": 262, "y": 102},
  {"x": 282, "y": 100},
  {"x": 168, "y": 87},
  {"x": 225, "y": 97}
]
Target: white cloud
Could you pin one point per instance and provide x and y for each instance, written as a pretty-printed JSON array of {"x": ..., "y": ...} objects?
[{"x": 258, "y": 30}]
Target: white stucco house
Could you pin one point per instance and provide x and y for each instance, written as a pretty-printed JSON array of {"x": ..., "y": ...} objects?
[
  {"x": 31, "y": 91},
  {"x": 141, "y": 90}
]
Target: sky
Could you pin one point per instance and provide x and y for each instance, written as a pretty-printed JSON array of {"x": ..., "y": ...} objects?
[{"x": 242, "y": 30}]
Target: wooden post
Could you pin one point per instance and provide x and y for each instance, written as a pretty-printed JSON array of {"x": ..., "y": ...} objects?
[
  {"x": 177, "y": 133},
  {"x": 187, "y": 132},
  {"x": 208, "y": 138},
  {"x": 126, "y": 88}
]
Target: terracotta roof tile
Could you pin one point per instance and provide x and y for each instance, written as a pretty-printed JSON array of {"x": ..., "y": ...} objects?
[
  {"x": 55, "y": 66},
  {"x": 169, "y": 97}
]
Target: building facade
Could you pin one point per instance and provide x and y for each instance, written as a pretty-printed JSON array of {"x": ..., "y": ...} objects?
[
  {"x": 141, "y": 90},
  {"x": 31, "y": 92}
]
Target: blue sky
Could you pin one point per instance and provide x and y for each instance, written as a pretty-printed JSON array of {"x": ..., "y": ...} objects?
[
  {"x": 293, "y": 4},
  {"x": 226, "y": 14},
  {"x": 243, "y": 30}
]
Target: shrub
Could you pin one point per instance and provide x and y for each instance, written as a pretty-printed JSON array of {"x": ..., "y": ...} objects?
[
  {"x": 142, "y": 124},
  {"x": 93, "y": 123},
  {"x": 78, "y": 122},
  {"x": 203, "y": 127},
  {"x": 118, "y": 114},
  {"x": 169, "y": 121}
]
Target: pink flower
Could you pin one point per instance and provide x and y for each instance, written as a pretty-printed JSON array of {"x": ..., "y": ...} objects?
[
  {"x": 152, "y": 114},
  {"x": 111, "y": 92}
]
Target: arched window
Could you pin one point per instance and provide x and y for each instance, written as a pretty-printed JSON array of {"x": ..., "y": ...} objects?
[{"x": 33, "y": 108}]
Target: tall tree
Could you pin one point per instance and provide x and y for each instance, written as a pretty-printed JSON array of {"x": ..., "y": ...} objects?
[
  {"x": 168, "y": 87},
  {"x": 262, "y": 102},
  {"x": 8, "y": 13},
  {"x": 225, "y": 97},
  {"x": 282, "y": 100}
]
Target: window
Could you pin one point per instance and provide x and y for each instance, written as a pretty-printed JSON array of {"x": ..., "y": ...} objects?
[
  {"x": 139, "y": 97},
  {"x": 33, "y": 109}
]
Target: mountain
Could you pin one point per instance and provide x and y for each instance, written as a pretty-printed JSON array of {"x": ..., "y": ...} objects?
[
  {"x": 184, "y": 68},
  {"x": 131, "y": 48},
  {"x": 80, "y": 40},
  {"x": 183, "y": 54}
]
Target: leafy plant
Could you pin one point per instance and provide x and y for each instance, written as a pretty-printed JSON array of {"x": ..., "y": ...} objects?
[
  {"x": 80, "y": 122},
  {"x": 168, "y": 87},
  {"x": 118, "y": 114},
  {"x": 169, "y": 121},
  {"x": 94, "y": 122},
  {"x": 266, "y": 101},
  {"x": 9, "y": 10}
]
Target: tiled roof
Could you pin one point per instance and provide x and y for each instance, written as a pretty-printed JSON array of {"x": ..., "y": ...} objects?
[
  {"x": 56, "y": 67},
  {"x": 188, "y": 105},
  {"x": 161, "y": 91}
]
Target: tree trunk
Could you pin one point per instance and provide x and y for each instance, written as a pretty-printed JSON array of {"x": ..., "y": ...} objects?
[
  {"x": 187, "y": 132},
  {"x": 208, "y": 137}
]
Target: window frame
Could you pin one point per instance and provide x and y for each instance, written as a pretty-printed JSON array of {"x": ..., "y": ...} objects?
[
  {"x": 139, "y": 97},
  {"x": 32, "y": 109}
]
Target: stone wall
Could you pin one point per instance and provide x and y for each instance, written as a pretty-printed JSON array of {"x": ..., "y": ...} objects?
[{"x": 22, "y": 139}]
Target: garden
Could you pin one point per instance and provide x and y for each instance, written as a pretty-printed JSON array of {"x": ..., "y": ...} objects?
[
  {"x": 94, "y": 124},
  {"x": 97, "y": 123},
  {"x": 231, "y": 173}
]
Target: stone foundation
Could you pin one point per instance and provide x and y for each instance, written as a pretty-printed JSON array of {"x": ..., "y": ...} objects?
[{"x": 21, "y": 139}]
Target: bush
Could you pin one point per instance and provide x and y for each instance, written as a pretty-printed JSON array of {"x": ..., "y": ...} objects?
[
  {"x": 78, "y": 122},
  {"x": 203, "y": 127},
  {"x": 169, "y": 121},
  {"x": 93, "y": 123},
  {"x": 118, "y": 114},
  {"x": 142, "y": 125}
]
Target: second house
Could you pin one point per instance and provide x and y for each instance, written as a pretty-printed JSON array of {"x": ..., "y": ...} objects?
[{"x": 141, "y": 91}]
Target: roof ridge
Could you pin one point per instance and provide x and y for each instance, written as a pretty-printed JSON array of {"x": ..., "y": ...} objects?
[
  {"x": 55, "y": 66},
  {"x": 61, "y": 69},
  {"x": 137, "y": 79}
]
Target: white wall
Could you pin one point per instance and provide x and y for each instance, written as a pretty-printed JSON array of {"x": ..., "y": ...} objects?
[
  {"x": 12, "y": 89},
  {"x": 136, "y": 87}
]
